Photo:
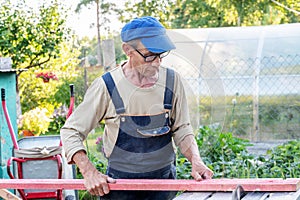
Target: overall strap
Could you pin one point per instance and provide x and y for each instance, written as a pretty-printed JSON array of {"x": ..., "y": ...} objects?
[
  {"x": 114, "y": 93},
  {"x": 169, "y": 89}
]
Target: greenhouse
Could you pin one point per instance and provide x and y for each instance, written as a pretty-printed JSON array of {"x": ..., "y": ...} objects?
[{"x": 243, "y": 79}]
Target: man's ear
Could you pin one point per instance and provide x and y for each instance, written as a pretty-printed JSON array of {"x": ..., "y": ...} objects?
[{"x": 127, "y": 49}]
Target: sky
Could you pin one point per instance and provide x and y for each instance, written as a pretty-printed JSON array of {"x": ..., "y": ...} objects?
[{"x": 81, "y": 22}]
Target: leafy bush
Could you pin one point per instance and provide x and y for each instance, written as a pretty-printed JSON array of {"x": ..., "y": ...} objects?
[
  {"x": 228, "y": 157},
  {"x": 56, "y": 124},
  {"x": 183, "y": 168},
  {"x": 283, "y": 161}
]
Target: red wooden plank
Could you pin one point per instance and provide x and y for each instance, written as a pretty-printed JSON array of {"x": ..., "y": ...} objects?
[{"x": 157, "y": 184}]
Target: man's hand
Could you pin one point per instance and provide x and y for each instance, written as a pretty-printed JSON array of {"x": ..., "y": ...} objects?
[
  {"x": 189, "y": 149},
  {"x": 97, "y": 183},
  {"x": 94, "y": 181},
  {"x": 200, "y": 171}
]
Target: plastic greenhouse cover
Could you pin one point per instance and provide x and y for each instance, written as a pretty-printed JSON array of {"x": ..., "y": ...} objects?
[{"x": 217, "y": 44}]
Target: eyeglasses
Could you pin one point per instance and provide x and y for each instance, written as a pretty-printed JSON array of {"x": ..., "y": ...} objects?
[{"x": 154, "y": 56}]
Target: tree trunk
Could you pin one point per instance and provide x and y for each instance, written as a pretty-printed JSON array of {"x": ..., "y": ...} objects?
[{"x": 99, "y": 56}]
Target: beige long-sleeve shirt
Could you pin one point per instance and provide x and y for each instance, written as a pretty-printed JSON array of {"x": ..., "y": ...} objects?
[{"x": 97, "y": 105}]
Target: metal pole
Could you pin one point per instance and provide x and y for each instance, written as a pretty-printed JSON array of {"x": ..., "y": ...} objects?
[
  {"x": 257, "y": 66},
  {"x": 85, "y": 64}
]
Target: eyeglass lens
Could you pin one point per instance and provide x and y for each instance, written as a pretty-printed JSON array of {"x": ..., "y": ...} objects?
[{"x": 153, "y": 57}]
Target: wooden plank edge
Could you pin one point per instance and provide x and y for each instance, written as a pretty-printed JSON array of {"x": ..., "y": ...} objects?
[
  {"x": 298, "y": 183},
  {"x": 225, "y": 185},
  {"x": 5, "y": 194}
]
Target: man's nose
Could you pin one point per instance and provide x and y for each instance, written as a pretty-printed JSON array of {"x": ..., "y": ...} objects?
[{"x": 157, "y": 60}]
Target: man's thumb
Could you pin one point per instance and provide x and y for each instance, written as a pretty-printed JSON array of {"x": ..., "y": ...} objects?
[
  {"x": 197, "y": 176},
  {"x": 111, "y": 180}
]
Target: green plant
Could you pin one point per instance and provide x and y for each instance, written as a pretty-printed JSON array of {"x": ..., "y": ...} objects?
[
  {"x": 234, "y": 102},
  {"x": 284, "y": 160},
  {"x": 56, "y": 124},
  {"x": 36, "y": 120},
  {"x": 228, "y": 157},
  {"x": 183, "y": 168},
  {"x": 225, "y": 154}
]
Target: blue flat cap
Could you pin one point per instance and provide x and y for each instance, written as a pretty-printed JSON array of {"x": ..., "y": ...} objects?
[{"x": 151, "y": 33}]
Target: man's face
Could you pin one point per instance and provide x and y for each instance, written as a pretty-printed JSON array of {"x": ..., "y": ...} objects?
[{"x": 139, "y": 58}]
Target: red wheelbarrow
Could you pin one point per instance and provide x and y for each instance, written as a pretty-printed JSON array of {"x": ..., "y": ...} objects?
[{"x": 36, "y": 157}]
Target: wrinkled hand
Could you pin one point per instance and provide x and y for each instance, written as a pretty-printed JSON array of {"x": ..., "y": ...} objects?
[
  {"x": 97, "y": 183},
  {"x": 200, "y": 171}
]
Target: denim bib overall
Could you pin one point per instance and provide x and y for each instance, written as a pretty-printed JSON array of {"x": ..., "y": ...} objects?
[{"x": 143, "y": 149}]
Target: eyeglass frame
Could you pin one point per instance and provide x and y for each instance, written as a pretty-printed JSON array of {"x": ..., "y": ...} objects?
[{"x": 159, "y": 55}]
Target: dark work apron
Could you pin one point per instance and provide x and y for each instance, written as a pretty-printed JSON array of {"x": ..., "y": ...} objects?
[{"x": 143, "y": 149}]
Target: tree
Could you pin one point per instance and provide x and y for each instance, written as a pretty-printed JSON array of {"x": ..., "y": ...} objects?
[
  {"x": 255, "y": 12},
  {"x": 194, "y": 14},
  {"x": 290, "y": 8},
  {"x": 37, "y": 93},
  {"x": 47, "y": 101},
  {"x": 160, "y": 9},
  {"x": 28, "y": 37},
  {"x": 215, "y": 13},
  {"x": 103, "y": 10},
  {"x": 31, "y": 38}
]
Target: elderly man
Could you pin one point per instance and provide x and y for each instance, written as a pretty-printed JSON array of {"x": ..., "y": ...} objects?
[{"x": 146, "y": 115}]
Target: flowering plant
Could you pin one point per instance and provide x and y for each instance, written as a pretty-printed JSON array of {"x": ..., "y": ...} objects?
[
  {"x": 36, "y": 121},
  {"x": 46, "y": 76}
]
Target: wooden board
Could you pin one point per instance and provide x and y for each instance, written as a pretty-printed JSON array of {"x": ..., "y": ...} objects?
[
  {"x": 5, "y": 194},
  {"x": 224, "y": 185},
  {"x": 194, "y": 195}
]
